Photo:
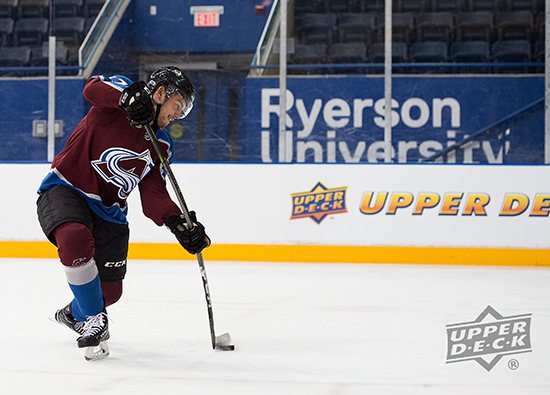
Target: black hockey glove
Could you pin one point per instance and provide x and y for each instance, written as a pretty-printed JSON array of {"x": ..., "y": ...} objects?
[
  {"x": 194, "y": 240},
  {"x": 136, "y": 100}
]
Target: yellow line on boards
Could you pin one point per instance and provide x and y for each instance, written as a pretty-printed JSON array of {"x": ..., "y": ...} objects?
[{"x": 310, "y": 253}]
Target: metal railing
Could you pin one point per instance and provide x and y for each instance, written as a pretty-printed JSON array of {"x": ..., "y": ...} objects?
[
  {"x": 498, "y": 127},
  {"x": 427, "y": 66},
  {"x": 265, "y": 44},
  {"x": 99, "y": 35}
]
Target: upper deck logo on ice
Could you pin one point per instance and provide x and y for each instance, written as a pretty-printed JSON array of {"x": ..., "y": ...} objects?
[{"x": 489, "y": 338}]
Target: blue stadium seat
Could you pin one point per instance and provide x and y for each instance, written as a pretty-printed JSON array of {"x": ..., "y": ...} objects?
[
  {"x": 340, "y": 6},
  {"x": 448, "y": 5},
  {"x": 6, "y": 31},
  {"x": 308, "y": 6},
  {"x": 356, "y": 27},
  {"x": 540, "y": 55},
  {"x": 399, "y": 55},
  {"x": 402, "y": 27},
  {"x": 309, "y": 54},
  {"x": 429, "y": 52},
  {"x": 540, "y": 26},
  {"x": 348, "y": 53},
  {"x": 435, "y": 26},
  {"x": 92, "y": 7},
  {"x": 471, "y": 52},
  {"x": 30, "y": 31},
  {"x": 475, "y": 26},
  {"x": 67, "y": 8},
  {"x": 88, "y": 24},
  {"x": 71, "y": 59},
  {"x": 517, "y": 25},
  {"x": 512, "y": 51},
  {"x": 540, "y": 47},
  {"x": 371, "y": 6},
  {"x": 70, "y": 29},
  {"x": 33, "y": 9},
  {"x": 414, "y": 6},
  {"x": 318, "y": 28},
  {"x": 516, "y": 5},
  {"x": 40, "y": 58},
  {"x": 72, "y": 55},
  {"x": 40, "y": 55},
  {"x": 8, "y": 8},
  {"x": 14, "y": 57},
  {"x": 484, "y": 5}
]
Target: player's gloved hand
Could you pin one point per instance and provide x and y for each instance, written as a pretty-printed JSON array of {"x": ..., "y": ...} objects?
[
  {"x": 136, "y": 100},
  {"x": 194, "y": 240}
]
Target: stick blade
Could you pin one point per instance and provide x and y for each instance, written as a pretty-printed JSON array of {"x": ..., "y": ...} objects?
[{"x": 223, "y": 343}]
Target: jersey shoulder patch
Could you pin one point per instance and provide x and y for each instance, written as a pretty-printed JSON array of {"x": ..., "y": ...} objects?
[{"x": 119, "y": 82}]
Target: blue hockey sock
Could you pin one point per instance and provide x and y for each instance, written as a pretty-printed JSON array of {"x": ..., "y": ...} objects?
[{"x": 86, "y": 287}]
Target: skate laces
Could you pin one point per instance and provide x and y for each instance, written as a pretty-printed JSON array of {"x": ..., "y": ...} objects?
[{"x": 94, "y": 324}]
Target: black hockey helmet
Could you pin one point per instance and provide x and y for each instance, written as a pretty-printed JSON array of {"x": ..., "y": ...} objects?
[{"x": 175, "y": 81}]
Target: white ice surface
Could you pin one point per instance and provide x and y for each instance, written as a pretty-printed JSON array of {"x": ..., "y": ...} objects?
[{"x": 297, "y": 328}]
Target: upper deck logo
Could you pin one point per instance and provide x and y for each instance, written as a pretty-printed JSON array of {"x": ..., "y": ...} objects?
[
  {"x": 492, "y": 339},
  {"x": 319, "y": 202}
]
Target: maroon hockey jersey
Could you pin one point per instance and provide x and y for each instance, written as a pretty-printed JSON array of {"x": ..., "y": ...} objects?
[{"x": 106, "y": 158}]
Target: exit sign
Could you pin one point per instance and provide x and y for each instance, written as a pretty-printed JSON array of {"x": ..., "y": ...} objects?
[
  {"x": 206, "y": 16},
  {"x": 205, "y": 19}
]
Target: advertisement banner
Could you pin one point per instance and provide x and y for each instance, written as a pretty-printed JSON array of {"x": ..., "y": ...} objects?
[
  {"x": 441, "y": 214},
  {"x": 423, "y": 205},
  {"x": 341, "y": 120}
]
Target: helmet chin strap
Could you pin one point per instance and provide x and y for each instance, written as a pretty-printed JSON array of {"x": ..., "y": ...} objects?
[{"x": 157, "y": 112}]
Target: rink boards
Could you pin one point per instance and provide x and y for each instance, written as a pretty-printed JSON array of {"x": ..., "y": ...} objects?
[{"x": 363, "y": 213}]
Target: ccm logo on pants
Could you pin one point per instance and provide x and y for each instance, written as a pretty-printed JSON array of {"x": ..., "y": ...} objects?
[{"x": 115, "y": 264}]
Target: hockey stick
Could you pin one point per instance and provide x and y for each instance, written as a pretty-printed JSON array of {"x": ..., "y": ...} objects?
[{"x": 223, "y": 341}]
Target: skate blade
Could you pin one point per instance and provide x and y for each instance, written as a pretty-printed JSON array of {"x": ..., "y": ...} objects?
[{"x": 97, "y": 353}]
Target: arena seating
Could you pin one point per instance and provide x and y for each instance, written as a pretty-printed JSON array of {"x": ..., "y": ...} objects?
[
  {"x": 25, "y": 27},
  {"x": 466, "y": 31},
  {"x": 503, "y": 26}
]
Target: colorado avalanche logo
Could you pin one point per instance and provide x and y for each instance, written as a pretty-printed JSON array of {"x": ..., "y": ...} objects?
[{"x": 123, "y": 168}]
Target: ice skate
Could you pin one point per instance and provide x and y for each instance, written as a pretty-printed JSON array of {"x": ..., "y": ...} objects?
[
  {"x": 95, "y": 334},
  {"x": 65, "y": 318}
]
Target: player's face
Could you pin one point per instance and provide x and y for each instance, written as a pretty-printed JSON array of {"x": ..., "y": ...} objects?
[{"x": 171, "y": 110}]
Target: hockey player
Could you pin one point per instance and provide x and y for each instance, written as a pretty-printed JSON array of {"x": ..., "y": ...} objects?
[{"x": 82, "y": 203}]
